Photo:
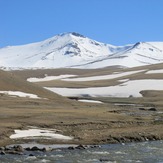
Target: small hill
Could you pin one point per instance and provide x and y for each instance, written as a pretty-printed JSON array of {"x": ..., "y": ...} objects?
[{"x": 11, "y": 82}]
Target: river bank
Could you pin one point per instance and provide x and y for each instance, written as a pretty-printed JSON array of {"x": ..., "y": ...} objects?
[
  {"x": 95, "y": 134},
  {"x": 87, "y": 123}
]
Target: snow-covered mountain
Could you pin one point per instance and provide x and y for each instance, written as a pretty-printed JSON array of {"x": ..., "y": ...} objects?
[{"x": 75, "y": 50}]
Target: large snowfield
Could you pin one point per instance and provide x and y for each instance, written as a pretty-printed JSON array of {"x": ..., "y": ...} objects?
[{"x": 126, "y": 89}]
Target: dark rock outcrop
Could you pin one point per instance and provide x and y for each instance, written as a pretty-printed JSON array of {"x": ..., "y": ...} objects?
[{"x": 152, "y": 109}]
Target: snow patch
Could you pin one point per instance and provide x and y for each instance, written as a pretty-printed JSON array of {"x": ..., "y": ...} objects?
[
  {"x": 127, "y": 89},
  {"x": 49, "y": 78},
  {"x": 20, "y": 94},
  {"x": 104, "y": 77},
  {"x": 155, "y": 71},
  {"x": 91, "y": 101},
  {"x": 38, "y": 133}
]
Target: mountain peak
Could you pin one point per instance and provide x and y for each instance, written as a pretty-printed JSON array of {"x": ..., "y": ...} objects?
[
  {"x": 77, "y": 34},
  {"x": 72, "y": 49},
  {"x": 138, "y": 44},
  {"x": 72, "y": 33}
]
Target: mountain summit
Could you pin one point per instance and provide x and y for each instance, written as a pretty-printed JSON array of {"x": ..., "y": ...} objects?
[{"x": 75, "y": 50}]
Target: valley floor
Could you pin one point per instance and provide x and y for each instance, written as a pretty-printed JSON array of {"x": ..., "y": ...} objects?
[
  {"x": 113, "y": 121},
  {"x": 130, "y": 118}
]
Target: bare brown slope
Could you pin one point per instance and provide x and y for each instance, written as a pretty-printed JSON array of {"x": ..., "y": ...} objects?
[
  {"x": 90, "y": 72},
  {"x": 40, "y": 73},
  {"x": 11, "y": 82}
]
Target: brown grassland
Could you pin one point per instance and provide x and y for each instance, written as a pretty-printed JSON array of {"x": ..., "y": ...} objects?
[{"x": 88, "y": 123}]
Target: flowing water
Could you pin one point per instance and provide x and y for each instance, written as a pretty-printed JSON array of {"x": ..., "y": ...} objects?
[{"x": 146, "y": 152}]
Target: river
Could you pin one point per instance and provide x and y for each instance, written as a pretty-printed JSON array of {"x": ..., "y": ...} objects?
[{"x": 144, "y": 152}]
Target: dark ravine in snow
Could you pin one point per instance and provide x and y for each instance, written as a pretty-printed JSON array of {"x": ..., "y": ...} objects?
[{"x": 77, "y": 51}]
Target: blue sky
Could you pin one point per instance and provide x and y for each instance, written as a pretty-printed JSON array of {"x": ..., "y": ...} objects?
[{"x": 116, "y": 22}]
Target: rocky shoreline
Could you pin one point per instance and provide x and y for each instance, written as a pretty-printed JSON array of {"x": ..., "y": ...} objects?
[
  {"x": 20, "y": 150},
  {"x": 94, "y": 135},
  {"x": 132, "y": 139},
  {"x": 89, "y": 125}
]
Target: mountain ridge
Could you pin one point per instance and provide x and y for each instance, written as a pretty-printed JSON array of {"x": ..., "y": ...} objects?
[{"x": 75, "y": 50}]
